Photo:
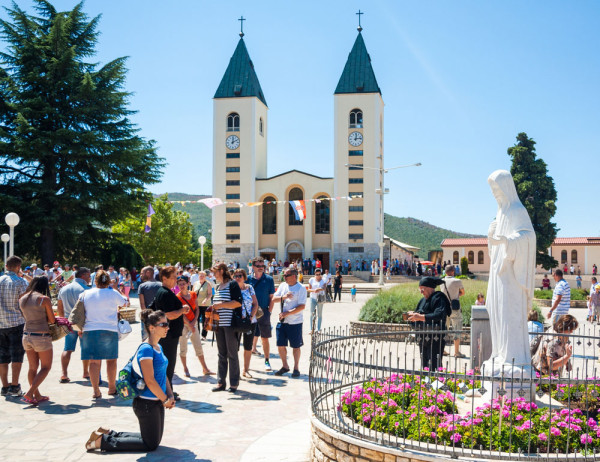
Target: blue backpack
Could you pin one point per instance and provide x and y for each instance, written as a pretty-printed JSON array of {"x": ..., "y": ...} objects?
[{"x": 130, "y": 384}]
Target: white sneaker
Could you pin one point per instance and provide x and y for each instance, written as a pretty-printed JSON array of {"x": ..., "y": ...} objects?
[{"x": 268, "y": 366}]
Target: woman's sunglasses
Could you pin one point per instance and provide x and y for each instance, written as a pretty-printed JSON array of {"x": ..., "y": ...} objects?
[
  {"x": 238, "y": 276},
  {"x": 162, "y": 324}
]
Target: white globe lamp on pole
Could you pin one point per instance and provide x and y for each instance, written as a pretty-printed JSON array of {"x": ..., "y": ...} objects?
[
  {"x": 201, "y": 241},
  {"x": 12, "y": 220},
  {"x": 5, "y": 238}
]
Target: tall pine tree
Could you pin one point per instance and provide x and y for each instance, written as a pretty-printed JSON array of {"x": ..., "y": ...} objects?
[
  {"x": 71, "y": 161},
  {"x": 537, "y": 193}
]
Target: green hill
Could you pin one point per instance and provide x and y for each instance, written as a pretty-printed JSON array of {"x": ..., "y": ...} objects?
[
  {"x": 200, "y": 214},
  {"x": 419, "y": 233},
  {"x": 409, "y": 230}
]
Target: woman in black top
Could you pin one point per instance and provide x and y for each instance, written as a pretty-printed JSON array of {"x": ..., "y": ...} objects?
[
  {"x": 228, "y": 296},
  {"x": 337, "y": 286},
  {"x": 167, "y": 302}
]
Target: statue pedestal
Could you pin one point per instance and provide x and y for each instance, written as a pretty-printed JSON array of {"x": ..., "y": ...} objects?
[
  {"x": 510, "y": 381},
  {"x": 481, "y": 339}
]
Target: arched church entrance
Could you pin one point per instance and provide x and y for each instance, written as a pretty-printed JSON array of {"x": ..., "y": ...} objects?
[{"x": 294, "y": 251}]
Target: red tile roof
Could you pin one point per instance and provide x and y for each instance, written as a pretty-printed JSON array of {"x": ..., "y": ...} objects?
[
  {"x": 471, "y": 242},
  {"x": 482, "y": 241}
]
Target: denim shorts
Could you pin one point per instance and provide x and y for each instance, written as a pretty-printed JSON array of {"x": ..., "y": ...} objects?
[
  {"x": 99, "y": 344},
  {"x": 11, "y": 345},
  {"x": 291, "y": 333},
  {"x": 71, "y": 341}
]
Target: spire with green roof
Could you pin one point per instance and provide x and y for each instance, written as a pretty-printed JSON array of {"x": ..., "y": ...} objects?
[
  {"x": 240, "y": 79},
  {"x": 358, "y": 75}
]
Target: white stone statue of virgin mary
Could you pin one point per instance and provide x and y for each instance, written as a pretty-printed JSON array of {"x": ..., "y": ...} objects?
[{"x": 512, "y": 250}]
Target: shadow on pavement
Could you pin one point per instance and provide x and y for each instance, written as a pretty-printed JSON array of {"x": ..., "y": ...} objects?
[
  {"x": 167, "y": 453},
  {"x": 198, "y": 407},
  {"x": 61, "y": 409},
  {"x": 248, "y": 395}
]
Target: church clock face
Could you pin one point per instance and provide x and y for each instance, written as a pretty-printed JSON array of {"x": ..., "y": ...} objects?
[
  {"x": 355, "y": 139},
  {"x": 233, "y": 142}
]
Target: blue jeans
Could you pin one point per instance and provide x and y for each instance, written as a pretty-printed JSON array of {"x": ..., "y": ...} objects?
[{"x": 316, "y": 308}]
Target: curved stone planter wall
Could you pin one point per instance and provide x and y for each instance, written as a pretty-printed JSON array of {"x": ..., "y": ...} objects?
[
  {"x": 327, "y": 445},
  {"x": 574, "y": 303}
]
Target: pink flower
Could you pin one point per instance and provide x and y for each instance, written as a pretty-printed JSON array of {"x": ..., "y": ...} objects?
[
  {"x": 433, "y": 435},
  {"x": 591, "y": 422},
  {"x": 542, "y": 437},
  {"x": 456, "y": 437},
  {"x": 396, "y": 424},
  {"x": 586, "y": 439},
  {"x": 555, "y": 431}
]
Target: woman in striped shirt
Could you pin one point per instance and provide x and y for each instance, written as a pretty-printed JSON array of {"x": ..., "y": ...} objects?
[{"x": 228, "y": 296}]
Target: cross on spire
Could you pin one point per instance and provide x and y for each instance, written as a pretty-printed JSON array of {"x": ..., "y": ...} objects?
[
  {"x": 360, "y": 13},
  {"x": 241, "y": 20}
]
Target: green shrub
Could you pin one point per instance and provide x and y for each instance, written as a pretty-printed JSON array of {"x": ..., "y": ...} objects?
[
  {"x": 464, "y": 266},
  {"x": 388, "y": 305},
  {"x": 576, "y": 294}
]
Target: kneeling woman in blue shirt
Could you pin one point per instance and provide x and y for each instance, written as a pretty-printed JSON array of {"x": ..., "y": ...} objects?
[{"x": 150, "y": 406}]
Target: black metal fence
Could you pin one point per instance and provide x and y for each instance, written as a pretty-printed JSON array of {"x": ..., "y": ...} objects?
[{"x": 375, "y": 387}]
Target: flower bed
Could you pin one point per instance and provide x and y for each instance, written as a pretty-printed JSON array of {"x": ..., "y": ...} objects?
[{"x": 410, "y": 406}]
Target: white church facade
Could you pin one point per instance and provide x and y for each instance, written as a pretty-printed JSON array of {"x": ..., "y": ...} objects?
[{"x": 333, "y": 228}]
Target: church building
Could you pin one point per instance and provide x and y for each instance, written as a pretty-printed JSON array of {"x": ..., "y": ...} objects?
[{"x": 342, "y": 213}]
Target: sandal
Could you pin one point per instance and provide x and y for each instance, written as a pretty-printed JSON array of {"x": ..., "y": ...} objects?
[
  {"x": 90, "y": 444},
  {"x": 207, "y": 372},
  {"x": 64, "y": 380},
  {"x": 246, "y": 374},
  {"x": 186, "y": 372},
  {"x": 98, "y": 396},
  {"x": 27, "y": 400},
  {"x": 41, "y": 399}
]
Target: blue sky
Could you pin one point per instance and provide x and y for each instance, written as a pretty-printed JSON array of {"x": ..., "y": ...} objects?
[{"x": 459, "y": 81}]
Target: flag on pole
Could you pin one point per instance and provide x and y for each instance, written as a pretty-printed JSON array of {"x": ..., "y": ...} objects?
[
  {"x": 149, "y": 219},
  {"x": 299, "y": 209},
  {"x": 211, "y": 202}
]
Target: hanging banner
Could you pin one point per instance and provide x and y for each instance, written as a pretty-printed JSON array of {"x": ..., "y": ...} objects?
[
  {"x": 299, "y": 209},
  {"x": 151, "y": 212}
]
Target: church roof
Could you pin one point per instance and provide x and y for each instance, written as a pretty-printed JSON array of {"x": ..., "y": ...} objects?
[
  {"x": 295, "y": 171},
  {"x": 240, "y": 79},
  {"x": 358, "y": 75}
]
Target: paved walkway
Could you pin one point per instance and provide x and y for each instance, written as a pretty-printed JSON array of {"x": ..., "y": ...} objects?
[{"x": 266, "y": 420}]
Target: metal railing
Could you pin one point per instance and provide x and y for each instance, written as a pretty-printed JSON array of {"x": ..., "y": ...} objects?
[{"x": 375, "y": 388}]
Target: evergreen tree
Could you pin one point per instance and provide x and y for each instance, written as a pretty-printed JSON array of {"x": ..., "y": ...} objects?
[
  {"x": 71, "y": 161},
  {"x": 537, "y": 193},
  {"x": 168, "y": 241}
]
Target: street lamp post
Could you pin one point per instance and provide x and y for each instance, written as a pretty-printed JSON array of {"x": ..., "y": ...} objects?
[
  {"x": 5, "y": 238},
  {"x": 201, "y": 241},
  {"x": 381, "y": 191},
  {"x": 12, "y": 220}
]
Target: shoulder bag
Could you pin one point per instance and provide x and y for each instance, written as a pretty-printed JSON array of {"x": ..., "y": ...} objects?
[
  {"x": 130, "y": 384},
  {"x": 77, "y": 315},
  {"x": 211, "y": 320},
  {"x": 60, "y": 328}
]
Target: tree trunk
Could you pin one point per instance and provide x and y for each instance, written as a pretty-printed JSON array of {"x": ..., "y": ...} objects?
[{"x": 47, "y": 246}]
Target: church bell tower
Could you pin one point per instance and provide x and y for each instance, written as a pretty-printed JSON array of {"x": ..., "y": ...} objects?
[{"x": 239, "y": 156}]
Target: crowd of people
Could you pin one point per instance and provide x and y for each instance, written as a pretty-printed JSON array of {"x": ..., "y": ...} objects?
[{"x": 174, "y": 302}]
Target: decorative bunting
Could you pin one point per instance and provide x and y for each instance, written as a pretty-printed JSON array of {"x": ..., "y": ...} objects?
[{"x": 211, "y": 202}]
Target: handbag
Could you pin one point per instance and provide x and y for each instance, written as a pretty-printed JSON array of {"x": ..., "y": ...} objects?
[
  {"x": 77, "y": 315},
  {"x": 320, "y": 297},
  {"x": 259, "y": 313},
  {"x": 239, "y": 322},
  {"x": 124, "y": 328},
  {"x": 455, "y": 304},
  {"x": 211, "y": 320},
  {"x": 60, "y": 328},
  {"x": 130, "y": 384}
]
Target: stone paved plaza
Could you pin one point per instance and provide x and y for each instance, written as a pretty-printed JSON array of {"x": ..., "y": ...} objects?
[{"x": 266, "y": 420}]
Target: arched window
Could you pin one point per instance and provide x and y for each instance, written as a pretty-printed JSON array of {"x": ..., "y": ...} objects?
[
  {"x": 480, "y": 257},
  {"x": 471, "y": 257},
  {"x": 322, "y": 215},
  {"x": 563, "y": 256},
  {"x": 233, "y": 122},
  {"x": 356, "y": 118},
  {"x": 455, "y": 258},
  {"x": 260, "y": 127},
  {"x": 269, "y": 216},
  {"x": 573, "y": 256},
  {"x": 294, "y": 195}
]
